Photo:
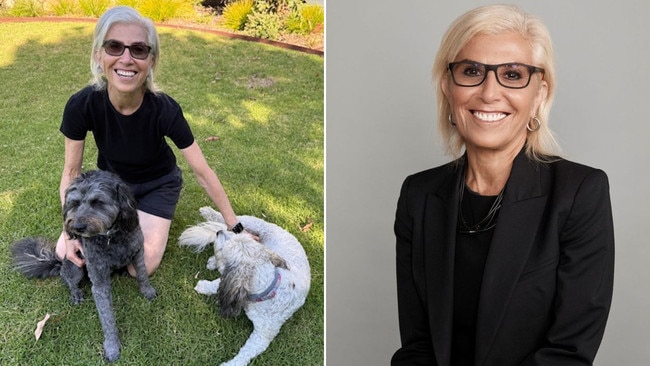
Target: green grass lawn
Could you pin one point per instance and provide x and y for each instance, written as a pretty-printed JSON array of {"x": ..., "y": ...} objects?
[{"x": 257, "y": 113}]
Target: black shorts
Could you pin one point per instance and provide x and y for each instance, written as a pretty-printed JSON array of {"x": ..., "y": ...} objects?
[{"x": 159, "y": 196}]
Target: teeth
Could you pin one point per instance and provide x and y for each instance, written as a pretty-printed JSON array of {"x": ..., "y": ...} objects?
[
  {"x": 490, "y": 117},
  {"x": 125, "y": 73}
]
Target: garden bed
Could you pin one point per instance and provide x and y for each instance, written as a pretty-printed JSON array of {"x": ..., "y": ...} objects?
[{"x": 284, "y": 23}]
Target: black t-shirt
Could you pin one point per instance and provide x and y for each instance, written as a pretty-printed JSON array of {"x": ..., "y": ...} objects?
[{"x": 134, "y": 146}]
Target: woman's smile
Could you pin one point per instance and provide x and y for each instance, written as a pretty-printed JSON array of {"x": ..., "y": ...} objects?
[
  {"x": 125, "y": 73},
  {"x": 489, "y": 116}
]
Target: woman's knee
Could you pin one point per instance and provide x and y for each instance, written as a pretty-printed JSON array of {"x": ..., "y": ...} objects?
[
  {"x": 153, "y": 258},
  {"x": 151, "y": 263},
  {"x": 60, "y": 247},
  {"x": 156, "y": 234}
]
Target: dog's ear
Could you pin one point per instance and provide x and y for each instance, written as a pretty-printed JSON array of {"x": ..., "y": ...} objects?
[
  {"x": 278, "y": 261},
  {"x": 222, "y": 237},
  {"x": 127, "y": 219},
  {"x": 232, "y": 294},
  {"x": 69, "y": 203}
]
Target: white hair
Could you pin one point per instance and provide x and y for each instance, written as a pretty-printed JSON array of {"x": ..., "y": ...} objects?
[{"x": 123, "y": 15}]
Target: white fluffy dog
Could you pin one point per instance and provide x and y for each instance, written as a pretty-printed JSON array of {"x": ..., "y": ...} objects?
[{"x": 268, "y": 279}]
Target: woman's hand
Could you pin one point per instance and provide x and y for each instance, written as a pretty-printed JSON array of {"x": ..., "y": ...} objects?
[
  {"x": 74, "y": 252},
  {"x": 257, "y": 238}
]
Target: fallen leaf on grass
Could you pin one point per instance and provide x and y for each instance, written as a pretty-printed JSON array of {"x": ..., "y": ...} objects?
[
  {"x": 212, "y": 138},
  {"x": 307, "y": 226},
  {"x": 40, "y": 325}
]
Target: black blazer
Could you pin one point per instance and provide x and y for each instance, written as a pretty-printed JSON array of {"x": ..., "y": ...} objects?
[{"x": 548, "y": 278}]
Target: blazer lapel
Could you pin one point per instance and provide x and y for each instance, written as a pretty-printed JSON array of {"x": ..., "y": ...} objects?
[
  {"x": 513, "y": 238},
  {"x": 439, "y": 235}
]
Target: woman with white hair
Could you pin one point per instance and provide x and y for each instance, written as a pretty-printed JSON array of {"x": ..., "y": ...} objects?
[
  {"x": 505, "y": 256},
  {"x": 130, "y": 120}
]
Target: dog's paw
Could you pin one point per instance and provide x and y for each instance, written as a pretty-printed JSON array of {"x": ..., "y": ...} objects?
[
  {"x": 149, "y": 293},
  {"x": 111, "y": 350},
  {"x": 212, "y": 263},
  {"x": 76, "y": 296},
  {"x": 210, "y": 214},
  {"x": 207, "y": 287}
]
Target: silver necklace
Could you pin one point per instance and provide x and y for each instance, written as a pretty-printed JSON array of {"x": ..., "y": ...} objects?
[{"x": 487, "y": 223}]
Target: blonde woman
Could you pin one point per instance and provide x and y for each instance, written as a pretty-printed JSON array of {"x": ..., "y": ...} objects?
[{"x": 505, "y": 256}]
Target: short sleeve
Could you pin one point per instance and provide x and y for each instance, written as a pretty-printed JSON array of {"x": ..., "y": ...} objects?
[
  {"x": 176, "y": 126},
  {"x": 75, "y": 124},
  {"x": 180, "y": 132}
]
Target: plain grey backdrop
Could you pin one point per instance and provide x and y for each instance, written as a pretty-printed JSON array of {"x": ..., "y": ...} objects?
[{"x": 380, "y": 113}]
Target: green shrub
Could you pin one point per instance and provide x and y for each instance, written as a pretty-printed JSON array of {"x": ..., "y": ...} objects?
[
  {"x": 132, "y": 3},
  {"x": 94, "y": 8},
  {"x": 236, "y": 14},
  {"x": 306, "y": 19},
  {"x": 161, "y": 10},
  {"x": 264, "y": 25},
  {"x": 312, "y": 16},
  {"x": 64, "y": 7},
  {"x": 263, "y": 22},
  {"x": 281, "y": 6},
  {"x": 27, "y": 8}
]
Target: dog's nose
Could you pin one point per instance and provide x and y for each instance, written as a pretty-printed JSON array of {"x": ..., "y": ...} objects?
[{"x": 80, "y": 227}]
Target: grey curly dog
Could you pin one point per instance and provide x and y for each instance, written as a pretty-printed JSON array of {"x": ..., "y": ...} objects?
[{"x": 100, "y": 211}]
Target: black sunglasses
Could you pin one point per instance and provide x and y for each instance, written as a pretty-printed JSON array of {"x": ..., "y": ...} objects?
[
  {"x": 138, "y": 51},
  {"x": 511, "y": 75}
]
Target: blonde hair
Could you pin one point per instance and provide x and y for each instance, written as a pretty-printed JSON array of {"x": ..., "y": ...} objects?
[
  {"x": 494, "y": 19},
  {"x": 123, "y": 15}
]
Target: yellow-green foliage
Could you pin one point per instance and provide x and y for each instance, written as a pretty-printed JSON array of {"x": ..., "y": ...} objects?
[
  {"x": 132, "y": 3},
  {"x": 161, "y": 10},
  {"x": 313, "y": 15},
  {"x": 306, "y": 19},
  {"x": 27, "y": 8},
  {"x": 157, "y": 10},
  {"x": 94, "y": 8},
  {"x": 236, "y": 14},
  {"x": 65, "y": 7}
]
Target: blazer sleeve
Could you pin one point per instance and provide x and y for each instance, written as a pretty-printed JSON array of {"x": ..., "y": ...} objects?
[
  {"x": 415, "y": 336},
  {"x": 585, "y": 277}
]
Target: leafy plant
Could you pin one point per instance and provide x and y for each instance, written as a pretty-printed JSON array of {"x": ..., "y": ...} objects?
[
  {"x": 161, "y": 10},
  {"x": 306, "y": 19},
  {"x": 282, "y": 6},
  {"x": 236, "y": 14},
  {"x": 27, "y": 8},
  {"x": 312, "y": 16},
  {"x": 264, "y": 25},
  {"x": 132, "y": 3},
  {"x": 64, "y": 7},
  {"x": 94, "y": 8},
  {"x": 264, "y": 22}
]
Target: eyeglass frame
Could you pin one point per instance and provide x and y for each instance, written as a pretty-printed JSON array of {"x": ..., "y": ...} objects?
[
  {"x": 532, "y": 69},
  {"x": 124, "y": 47}
]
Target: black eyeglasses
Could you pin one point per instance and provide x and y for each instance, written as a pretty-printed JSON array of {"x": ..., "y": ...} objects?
[
  {"x": 512, "y": 75},
  {"x": 139, "y": 51}
]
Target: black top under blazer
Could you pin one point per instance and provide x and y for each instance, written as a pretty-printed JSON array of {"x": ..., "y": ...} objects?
[{"x": 548, "y": 279}]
